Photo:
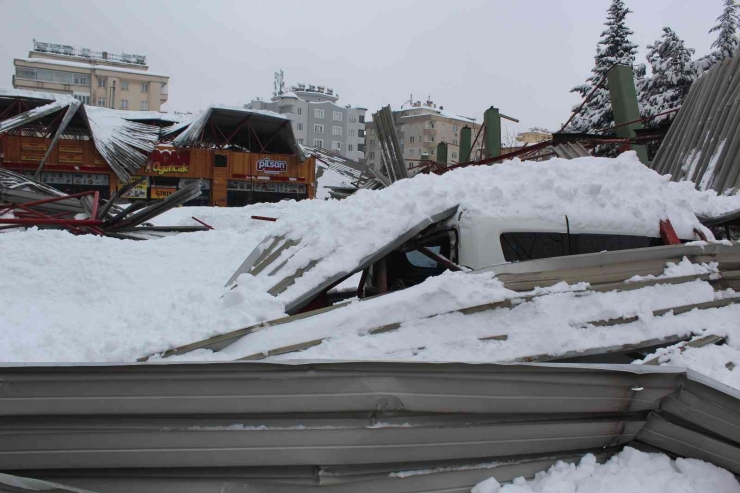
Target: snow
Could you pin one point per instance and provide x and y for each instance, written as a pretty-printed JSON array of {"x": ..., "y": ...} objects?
[
  {"x": 329, "y": 178},
  {"x": 683, "y": 268},
  {"x": 596, "y": 194},
  {"x": 706, "y": 179},
  {"x": 86, "y": 298},
  {"x": 88, "y": 66},
  {"x": 629, "y": 471},
  {"x": 717, "y": 362}
]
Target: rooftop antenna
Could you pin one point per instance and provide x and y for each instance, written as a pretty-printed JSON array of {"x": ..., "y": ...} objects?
[
  {"x": 410, "y": 101},
  {"x": 279, "y": 84}
]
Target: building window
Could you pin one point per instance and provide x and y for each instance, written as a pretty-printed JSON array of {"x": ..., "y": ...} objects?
[
  {"x": 101, "y": 83},
  {"x": 145, "y": 106},
  {"x": 82, "y": 98},
  {"x": 411, "y": 152},
  {"x": 124, "y": 85},
  {"x": 443, "y": 127},
  {"x": 300, "y": 141},
  {"x": 371, "y": 155},
  {"x": 318, "y": 113},
  {"x": 124, "y": 104},
  {"x": 361, "y": 147},
  {"x": 372, "y": 131},
  {"x": 430, "y": 124},
  {"x": 362, "y": 118},
  {"x": 336, "y": 145},
  {"x": 300, "y": 111},
  {"x": 454, "y": 128},
  {"x": 318, "y": 129},
  {"x": 350, "y": 147},
  {"x": 351, "y": 132},
  {"x": 144, "y": 87},
  {"x": 371, "y": 143},
  {"x": 353, "y": 118},
  {"x": 337, "y": 116},
  {"x": 163, "y": 89},
  {"x": 300, "y": 126},
  {"x": 411, "y": 139},
  {"x": 360, "y": 133},
  {"x": 454, "y": 155},
  {"x": 336, "y": 130},
  {"x": 101, "y": 101},
  {"x": 318, "y": 143}
]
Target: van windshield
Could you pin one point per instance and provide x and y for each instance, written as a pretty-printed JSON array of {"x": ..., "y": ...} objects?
[{"x": 532, "y": 246}]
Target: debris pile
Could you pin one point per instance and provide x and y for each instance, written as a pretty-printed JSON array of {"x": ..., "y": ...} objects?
[{"x": 25, "y": 202}]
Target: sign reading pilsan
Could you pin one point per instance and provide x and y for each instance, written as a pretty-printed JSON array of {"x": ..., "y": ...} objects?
[{"x": 267, "y": 165}]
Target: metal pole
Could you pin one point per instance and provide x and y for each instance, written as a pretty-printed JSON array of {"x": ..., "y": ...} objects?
[
  {"x": 442, "y": 153},
  {"x": 466, "y": 144},
  {"x": 492, "y": 141},
  {"x": 625, "y": 107}
]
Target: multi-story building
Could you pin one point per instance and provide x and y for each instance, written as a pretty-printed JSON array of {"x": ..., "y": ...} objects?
[
  {"x": 122, "y": 82},
  {"x": 317, "y": 118},
  {"x": 420, "y": 127}
]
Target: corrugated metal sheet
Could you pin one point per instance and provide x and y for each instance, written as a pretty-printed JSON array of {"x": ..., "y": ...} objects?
[
  {"x": 355, "y": 427},
  {"x": 703, "y": 142}
]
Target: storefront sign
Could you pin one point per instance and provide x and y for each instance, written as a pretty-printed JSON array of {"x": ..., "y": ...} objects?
[
  {"x": 99, "y": 159},
  {"x": 70, "y": 158},
  {"x": 267, "y": 165},
  {"x": 162, "y": 193},
  {"x": 34, "y": 146},
  {"x": 165, "y": 162},
  {"x": 32, "y": 155},
  {"x": 139, "y": 191},
  {"x": 70, "y": 149},
  {"x": 89, "y": 179}
]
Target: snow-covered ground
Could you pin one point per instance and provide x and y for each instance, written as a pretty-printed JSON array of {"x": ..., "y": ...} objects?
[
  {"x": 85, "y": 298},
  {"x": 630, "y": 471},
  {"x": 329, "y": 178}
]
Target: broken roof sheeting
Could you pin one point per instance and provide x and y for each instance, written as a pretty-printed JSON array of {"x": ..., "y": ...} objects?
[
  {"x": 350, "y": 426},
  {"x": 253, "y": 130},
  {"x": 704, "y": 140},
  {"x": 124, "y": 144},
  {"x": 295, "y": 270}
]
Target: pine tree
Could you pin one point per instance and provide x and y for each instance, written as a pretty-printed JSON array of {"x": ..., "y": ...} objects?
[
  {"x": 727, "y": 42},
  {"x": 613, "y": 48},
  {"x": 673, "y": 72}
]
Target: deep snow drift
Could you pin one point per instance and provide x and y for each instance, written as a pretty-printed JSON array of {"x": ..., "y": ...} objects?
[{"x": 85, "y": 298}]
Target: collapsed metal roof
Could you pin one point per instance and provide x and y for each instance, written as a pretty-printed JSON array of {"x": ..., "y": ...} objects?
[
  {"x": 225, "y": 126},
  {"x": 703, "y": 142},
  {"x": 124, "y": 144},
  {"x": 346, "y": 426}
]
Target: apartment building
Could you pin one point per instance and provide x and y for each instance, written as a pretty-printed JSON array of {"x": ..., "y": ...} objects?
[
  {"x": 122, "y": 82},
  {"x": 420, "y": 127},
  {"x": 317, "y": 119}
]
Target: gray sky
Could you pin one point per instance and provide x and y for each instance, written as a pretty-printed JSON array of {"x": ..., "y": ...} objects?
[{"x": 522, "y": 56}]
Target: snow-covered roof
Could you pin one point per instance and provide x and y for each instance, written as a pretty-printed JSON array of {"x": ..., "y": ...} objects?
[
  {"x": 89, "y": 66},
  {"x": 429, "y": 110},
  {"x": 24, "y": 93}
]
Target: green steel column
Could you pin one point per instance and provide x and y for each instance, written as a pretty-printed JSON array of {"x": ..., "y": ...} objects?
[
  {"x": 492, "y": 142},
  {"x": 625, "y": 107},
  {"x": 442, "y": 153},
  {"x": 466, "y": 142}
]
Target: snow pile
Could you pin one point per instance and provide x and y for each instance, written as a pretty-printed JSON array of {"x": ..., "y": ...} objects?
[
  {"x": 329, "y": 178},
  {"x": 629, "y": 471},
  {"x": 599, "y": 194},
  {"x": 85, "y": 298}
]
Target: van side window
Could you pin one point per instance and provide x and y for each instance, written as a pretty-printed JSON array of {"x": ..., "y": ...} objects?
[{"x": 532, "y": 246}]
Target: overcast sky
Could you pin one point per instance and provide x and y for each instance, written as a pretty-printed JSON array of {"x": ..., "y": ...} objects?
[{"x": 521, "y": 56}]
